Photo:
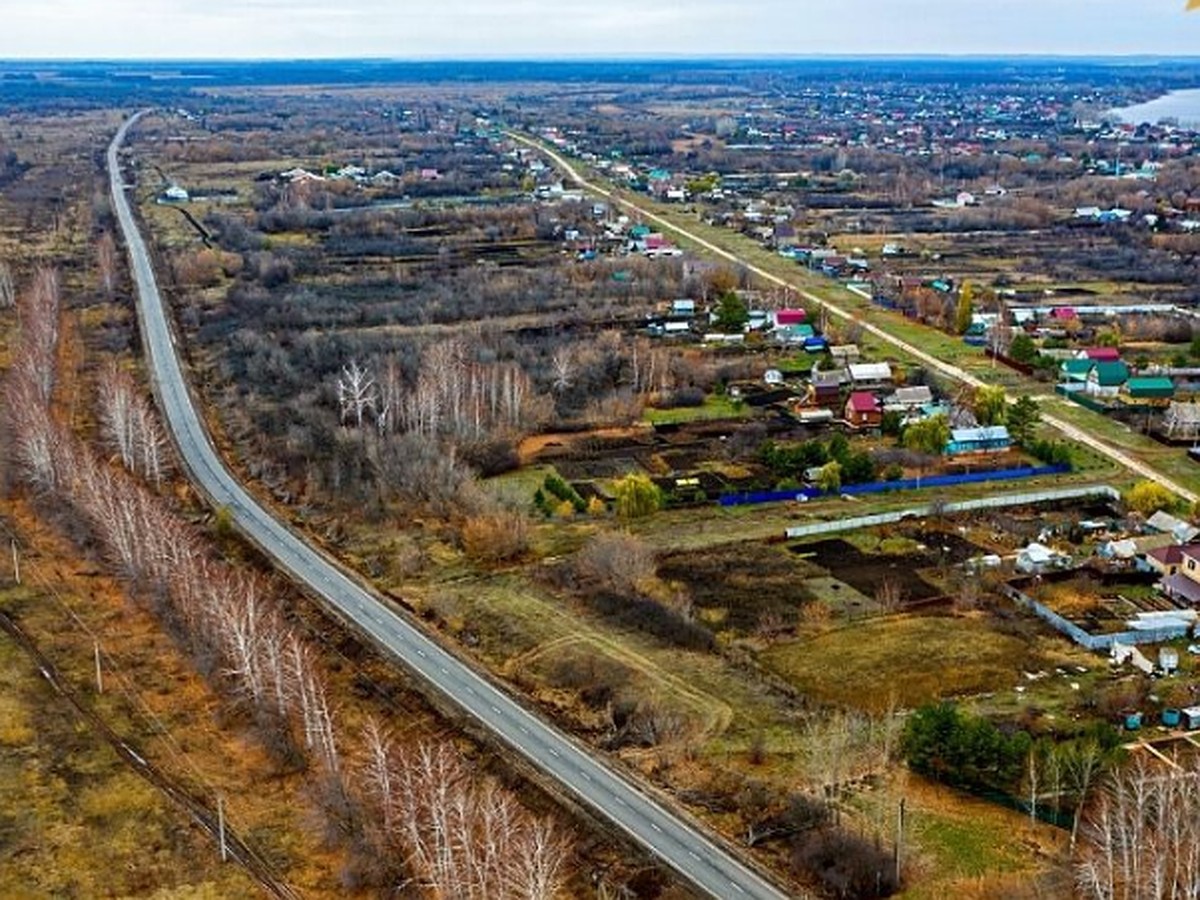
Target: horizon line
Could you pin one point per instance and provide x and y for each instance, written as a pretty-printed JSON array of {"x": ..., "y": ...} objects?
[{"x": 616, "y": 58}]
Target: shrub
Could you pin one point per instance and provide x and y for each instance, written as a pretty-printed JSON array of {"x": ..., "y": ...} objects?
[
  {"x": 496, "y": 537},
  {"x": 614, "y": 561}
]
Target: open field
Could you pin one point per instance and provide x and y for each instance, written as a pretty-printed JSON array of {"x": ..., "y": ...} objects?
[{"x": 915, "y": 658}]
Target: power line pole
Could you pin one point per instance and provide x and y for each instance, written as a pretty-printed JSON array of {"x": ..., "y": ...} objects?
[
  {"x": 16, "y": 562},
  {"x": 899, "y": 840},
  {"x": 99, "y": 672},
  {"x": 221, "y": 828}
]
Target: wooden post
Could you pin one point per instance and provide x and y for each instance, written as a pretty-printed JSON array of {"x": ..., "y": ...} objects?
[
  {"x": 899, "y": 840},
  {"x": 99, "y": 672},
  {"x": 16, "y": 562}
]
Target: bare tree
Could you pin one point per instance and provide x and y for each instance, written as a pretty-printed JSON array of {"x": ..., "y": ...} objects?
[
  {"x": 106, "y": 264},
  {"x": 562, "y": 365},
  {"x": 356, "y": 392},
  {"x": 1141, "y": 839},
  {"x": 131, "y": 428},
  {"x": 8, "y": 292}
]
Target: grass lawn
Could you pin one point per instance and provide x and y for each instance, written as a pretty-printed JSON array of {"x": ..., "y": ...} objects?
[
  {"x": 916, "y": 658},
  {"x": 966, "y": 847},
  {"x": 714, "y": 407}
]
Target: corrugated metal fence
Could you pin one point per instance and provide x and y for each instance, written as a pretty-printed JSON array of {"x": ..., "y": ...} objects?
[
  {"x": 1031, "y": 498},
  {"x": 1097, "y": 642}
]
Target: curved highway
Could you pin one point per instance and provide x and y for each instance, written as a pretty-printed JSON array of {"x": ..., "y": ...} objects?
[
  {"x": 680, "y": 845},
  {"x": 1071, "y": 431}
]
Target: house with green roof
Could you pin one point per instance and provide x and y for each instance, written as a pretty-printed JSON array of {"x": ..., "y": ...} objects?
[
  {"x": 1106, "y": 379},
  {"x": 1075, "y": 371},
  {"x": 1149, "y": 389}
]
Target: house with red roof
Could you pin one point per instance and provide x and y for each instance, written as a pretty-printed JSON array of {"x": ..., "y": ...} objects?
[
  {"x": 863, "y": 410},
  {"x": 1184, "y": 585}
]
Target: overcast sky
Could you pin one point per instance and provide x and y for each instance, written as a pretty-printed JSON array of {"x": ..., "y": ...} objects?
[{"x": 570, "y": 28}]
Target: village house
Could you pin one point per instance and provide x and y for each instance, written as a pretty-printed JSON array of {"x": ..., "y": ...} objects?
[
  {"x": 863, "y": 410},
  {"x": 1184, "y": 585},
  {"x": 1165, "y": 560},
  {"x": 825, "y": 388},
  {"x": 870, "y": 376},
  {"x": 965, "y": 441},
  {"x": 1106, "y": 379},
  {"x": 909, "y": 402},
  {"x": 1100, "y": 354}
]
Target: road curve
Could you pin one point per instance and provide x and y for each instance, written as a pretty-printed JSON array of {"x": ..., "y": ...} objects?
[
  {"x": 1071, "y": 431},
  {"x": 680, "y": 845}
]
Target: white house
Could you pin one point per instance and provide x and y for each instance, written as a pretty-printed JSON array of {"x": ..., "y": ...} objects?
[{"x": 870, "y": 376}]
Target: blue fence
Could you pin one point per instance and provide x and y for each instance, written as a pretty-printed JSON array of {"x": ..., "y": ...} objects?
[{"x": 882, "y": 487}]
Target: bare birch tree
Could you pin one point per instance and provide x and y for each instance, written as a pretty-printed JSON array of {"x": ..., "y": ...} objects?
[
  {"x": 8, "y": 291},
  {"x": 106, "y": 264},
  {"x": 356, "y": 393}
]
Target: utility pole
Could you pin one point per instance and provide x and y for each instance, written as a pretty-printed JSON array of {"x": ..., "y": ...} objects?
[
  {"x": 899, "y": 840},
  {"x": 99, "y": 672},
  {"x": 16, "y": 562}
]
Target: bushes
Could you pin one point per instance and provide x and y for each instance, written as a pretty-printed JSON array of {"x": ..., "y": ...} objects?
[
  {"x": 555, "y": 494},
  {"x": 963, "y": 750},
  {"x": 1052, "y": 453},
  {"x": 791, "y": 462},
  {"x": 496, "y": 537},
  {"x": 847, "y": 865},
  {"x": 614, "y": 561}
]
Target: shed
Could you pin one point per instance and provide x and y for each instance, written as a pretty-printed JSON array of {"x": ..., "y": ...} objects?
[
  {"x": 789, "y": 317},
  {"x": 1191, "y": 717},
  {"x": 1038, "y": 558},
  {"x": 1157, "y": 387},
  {"x": 1165, "y": 523}
]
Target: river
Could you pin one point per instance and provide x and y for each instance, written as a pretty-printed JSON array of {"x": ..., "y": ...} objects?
[{"x": 1183, "y": 106}]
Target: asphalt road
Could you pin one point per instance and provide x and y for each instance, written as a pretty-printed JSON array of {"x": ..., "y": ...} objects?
[
  {"x": 680, "y": 845},
  {"x": 1072, "y": 431}
]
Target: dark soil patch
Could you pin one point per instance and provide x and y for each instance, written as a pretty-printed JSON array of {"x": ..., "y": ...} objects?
[
  {"x": 755, "y": 583},
  {"x": 866, "y": 572}
]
